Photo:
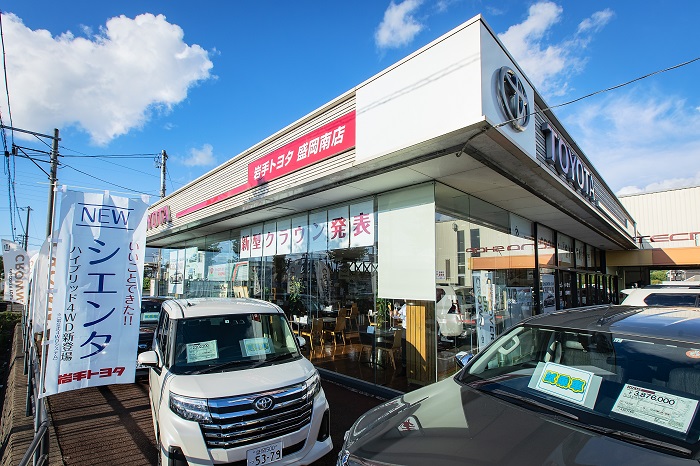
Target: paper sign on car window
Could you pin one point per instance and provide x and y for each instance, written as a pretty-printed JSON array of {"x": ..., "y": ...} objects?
[
  {"x": 663, "y": 409},
  {"x": 202, "y": 351},
  {"x": 150, "y": 316},
  {"x": 256, "y": 346},
  {"x": 564, "y": 382}
]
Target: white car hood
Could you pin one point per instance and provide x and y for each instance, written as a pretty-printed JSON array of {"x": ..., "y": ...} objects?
[{"x": 242, "y": 381}]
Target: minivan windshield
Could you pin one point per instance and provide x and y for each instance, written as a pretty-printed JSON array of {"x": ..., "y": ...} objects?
[
  {"x": 232, "y": 342},
  {"x": 637, "y": 388}
]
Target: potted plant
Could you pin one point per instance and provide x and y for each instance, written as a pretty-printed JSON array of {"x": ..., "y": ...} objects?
[
  {"x": 295, "y": 287},
  {"x": 382, "y": 316}
]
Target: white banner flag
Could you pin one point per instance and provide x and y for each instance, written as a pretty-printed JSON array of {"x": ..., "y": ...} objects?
[
  {"x": 94, "y": 327},
  {"x": 484, "y": 291},
  {"x": 16, "y": 264},
  {"x": 39, "y": 304}
]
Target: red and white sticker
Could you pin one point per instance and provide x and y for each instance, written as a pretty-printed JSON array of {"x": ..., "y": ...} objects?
[{"x": 410, "y": 424}]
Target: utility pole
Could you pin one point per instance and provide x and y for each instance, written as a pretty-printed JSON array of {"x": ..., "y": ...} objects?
[
  {"x": 52, "y": 181},
  {"x": 54, "y": 167},
  {"x": 162, "y": 164},
  {"x": 26, "y": 232},
  {"x": 40, "y": 416},
  {"x": 163, "y": 160}
]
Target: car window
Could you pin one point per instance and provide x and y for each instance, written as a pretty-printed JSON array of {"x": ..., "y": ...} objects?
[
  {"x": 439, "y": 294},
  {"x": 162, "y": 336},
  {"x": 466, "y": 295},
  {"x": 232, "y": 342},
  {"x": 672, "y": 299},
  {"x": 642, "y": 385},
  {"x": 150, "y": 311}
]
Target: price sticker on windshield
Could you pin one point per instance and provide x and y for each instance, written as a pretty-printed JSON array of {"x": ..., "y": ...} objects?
[
  {"x": 257, "y": 346},
  {"x": 663, "y": 409},
  {"x": 202, "y": 351}
]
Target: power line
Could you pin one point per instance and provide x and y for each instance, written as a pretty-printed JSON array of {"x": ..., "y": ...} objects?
[
  {"x": 9, "y": 165},
  {"x": 7, "y": 89},
  {"x": 105, "y": 181},
  {"x": 601, "y": 91},
  {"x": 82, "y": 154},
  {"x": 130, "y": 168},
  {"x": 113, "y": 156},
  {"x": 628, "y": 82}
]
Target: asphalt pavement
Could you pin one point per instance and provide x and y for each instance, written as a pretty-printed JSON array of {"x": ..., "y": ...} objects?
[{"x": 112, "y": 425}]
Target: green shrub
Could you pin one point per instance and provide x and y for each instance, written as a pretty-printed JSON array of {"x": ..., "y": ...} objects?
[{"x": 8, "y": 320}]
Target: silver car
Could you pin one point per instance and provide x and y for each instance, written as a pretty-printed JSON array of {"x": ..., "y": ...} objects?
[
  {"x": 663, "y": 295},
  {"x": 608, "y": 385}
]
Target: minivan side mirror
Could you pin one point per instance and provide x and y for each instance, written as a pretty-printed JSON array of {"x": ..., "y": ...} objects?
[
  {"x": 301, "y": 341},
  {"x": 462, "y": 358},
  {"x": 148, "y": 359}
]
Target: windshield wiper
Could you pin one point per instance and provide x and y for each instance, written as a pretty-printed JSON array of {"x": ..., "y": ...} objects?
[
  {"x": 252, "y": 362},
  {"x": 272, "y": 359},
  {"x": 222, "y": 366},
  {"x": 531, "y": 402},
  {"x": 572, "y": 419},
  {"x": 637, "y": 439}
]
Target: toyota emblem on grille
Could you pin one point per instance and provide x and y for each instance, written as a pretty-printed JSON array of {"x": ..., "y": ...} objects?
[
  {"x": 263, "y": 403},
  {"x": 513, "y": 99}
]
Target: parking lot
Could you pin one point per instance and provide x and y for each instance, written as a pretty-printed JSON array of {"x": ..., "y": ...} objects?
[{"x": 112, "y": 424}]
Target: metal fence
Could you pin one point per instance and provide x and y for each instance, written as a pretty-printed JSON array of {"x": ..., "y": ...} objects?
[{"x": 38, "y": 451}]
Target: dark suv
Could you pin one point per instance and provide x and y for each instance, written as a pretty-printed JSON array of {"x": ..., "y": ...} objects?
[{"x": 606, "y": 385}]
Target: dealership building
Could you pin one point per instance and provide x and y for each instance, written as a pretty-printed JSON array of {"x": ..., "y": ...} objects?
[{"x": 443, "y": 182}]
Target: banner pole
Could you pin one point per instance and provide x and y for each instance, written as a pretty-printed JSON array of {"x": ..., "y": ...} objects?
[{"x": 49, "y": 292}]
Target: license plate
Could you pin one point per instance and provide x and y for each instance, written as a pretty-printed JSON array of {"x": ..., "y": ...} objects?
[{"x": 264, "y": 455}]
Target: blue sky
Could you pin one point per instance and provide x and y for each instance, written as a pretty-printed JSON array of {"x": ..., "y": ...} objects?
[{"x": 207, "y": 80}]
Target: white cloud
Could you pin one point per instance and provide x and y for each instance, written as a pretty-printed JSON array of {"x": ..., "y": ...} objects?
[
  {"x": 549, "y": 65},
  {"x": 201, "y": 157},
  {"x": 106, "y": 84},
  {"x": 665, "y": 185},
  {"x": 636, "y": 142},
  {"x": 596, "y": 22},
  {"x": 398, "y": 27}
]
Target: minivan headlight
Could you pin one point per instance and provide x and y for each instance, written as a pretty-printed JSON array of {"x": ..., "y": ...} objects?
[
  {"x": 313, "y": 385},
  {"x": 192, "y": 409}
]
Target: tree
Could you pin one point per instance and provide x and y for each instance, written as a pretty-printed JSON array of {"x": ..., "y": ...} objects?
[{"x": 657, "y": 276}]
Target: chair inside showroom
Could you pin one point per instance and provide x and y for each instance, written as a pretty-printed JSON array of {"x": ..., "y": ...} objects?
[
  {"x": 371, "y": 321},
  {"x": 366, "y": 343},
  {"x": 314, "y": 333},
  {"x": 339, "y": 328},
  {"x": 353, "y": 317},
  {"x": 352, "y": 329},
  {"x": 392, "y": 349}
]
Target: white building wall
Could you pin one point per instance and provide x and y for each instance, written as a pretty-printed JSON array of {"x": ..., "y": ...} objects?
[
  {"x": 406, "y": 235},
  {"x": 432, "y": 92},
  {"x": 666, "y": 219},
  {"x": 448, "y": 85}
]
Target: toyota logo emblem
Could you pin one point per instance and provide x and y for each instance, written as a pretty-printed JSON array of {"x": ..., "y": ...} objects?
[
  {"x": 263, "y": 403},
  {"x": 513, "y": 99}
]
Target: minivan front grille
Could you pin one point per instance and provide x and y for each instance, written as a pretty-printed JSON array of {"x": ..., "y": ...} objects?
[{"x": 236, "y": 422}]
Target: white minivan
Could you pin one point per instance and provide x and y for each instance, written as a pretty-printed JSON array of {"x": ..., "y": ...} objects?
[{"x": 228, "y": 385}]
